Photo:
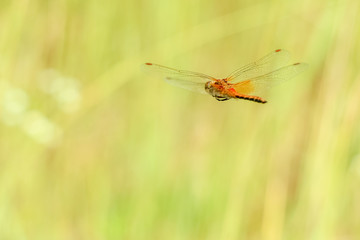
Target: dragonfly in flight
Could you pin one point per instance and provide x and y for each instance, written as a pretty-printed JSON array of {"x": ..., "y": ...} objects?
[{"x": 244, "y": 83}]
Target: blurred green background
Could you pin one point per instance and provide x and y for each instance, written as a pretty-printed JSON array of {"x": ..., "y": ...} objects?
[{"x": 93, "y": 148}]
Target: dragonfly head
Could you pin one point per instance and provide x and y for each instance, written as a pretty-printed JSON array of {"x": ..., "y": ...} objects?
[
  {"x": 208, "y": 86},
  {"x": 211, "y": 85}
]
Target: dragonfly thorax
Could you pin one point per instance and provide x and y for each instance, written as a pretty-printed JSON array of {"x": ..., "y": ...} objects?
[{"x": 217, "y": 90}]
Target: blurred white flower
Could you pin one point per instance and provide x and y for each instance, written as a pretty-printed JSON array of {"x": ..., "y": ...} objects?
[
  {"x": 66, "y": 91},
  {"x": 14, "y": 110},
  {"x": 40, "y": 128},
  {"x": 14, "y": 103}
]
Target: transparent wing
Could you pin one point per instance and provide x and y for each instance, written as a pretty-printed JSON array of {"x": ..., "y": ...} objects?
[
  {"x": 260, "y": 83},
  {"x": 178, "y": 74},
  {"x": 188, "y": 85},
  {"x": 192, "y": 81},
  {"x": 269, "y": 63}
]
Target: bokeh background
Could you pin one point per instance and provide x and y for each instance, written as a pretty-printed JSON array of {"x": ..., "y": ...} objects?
[{"x": 91, "y": 147}]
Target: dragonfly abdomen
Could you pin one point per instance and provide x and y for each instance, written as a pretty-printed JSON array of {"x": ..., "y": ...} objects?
[{"x": 251, "y": 98}]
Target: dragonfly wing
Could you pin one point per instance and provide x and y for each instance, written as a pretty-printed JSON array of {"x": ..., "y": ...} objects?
[
  {"x": 264, "y": 65},
  {"x": 188, "y": 85},
  {"x": 178, "y": 74},
  {"x": 192, "y": 81},
  {"x": 258, "y": 84}
]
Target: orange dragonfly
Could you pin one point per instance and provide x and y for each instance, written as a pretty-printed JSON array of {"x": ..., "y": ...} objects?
[{"x": 244, "y": 83}]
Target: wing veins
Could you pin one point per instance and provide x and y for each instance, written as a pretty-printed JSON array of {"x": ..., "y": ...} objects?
[{"x": 261, "y": 66}]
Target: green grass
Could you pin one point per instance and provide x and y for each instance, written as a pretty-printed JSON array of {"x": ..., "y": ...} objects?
[{"x": 93, "y": 148}]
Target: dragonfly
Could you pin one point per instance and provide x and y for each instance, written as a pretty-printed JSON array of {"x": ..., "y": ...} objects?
[{"x": 245, "y": 83}]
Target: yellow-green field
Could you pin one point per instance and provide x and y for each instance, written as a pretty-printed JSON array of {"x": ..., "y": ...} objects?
[{"x": 91, "y": 147}]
